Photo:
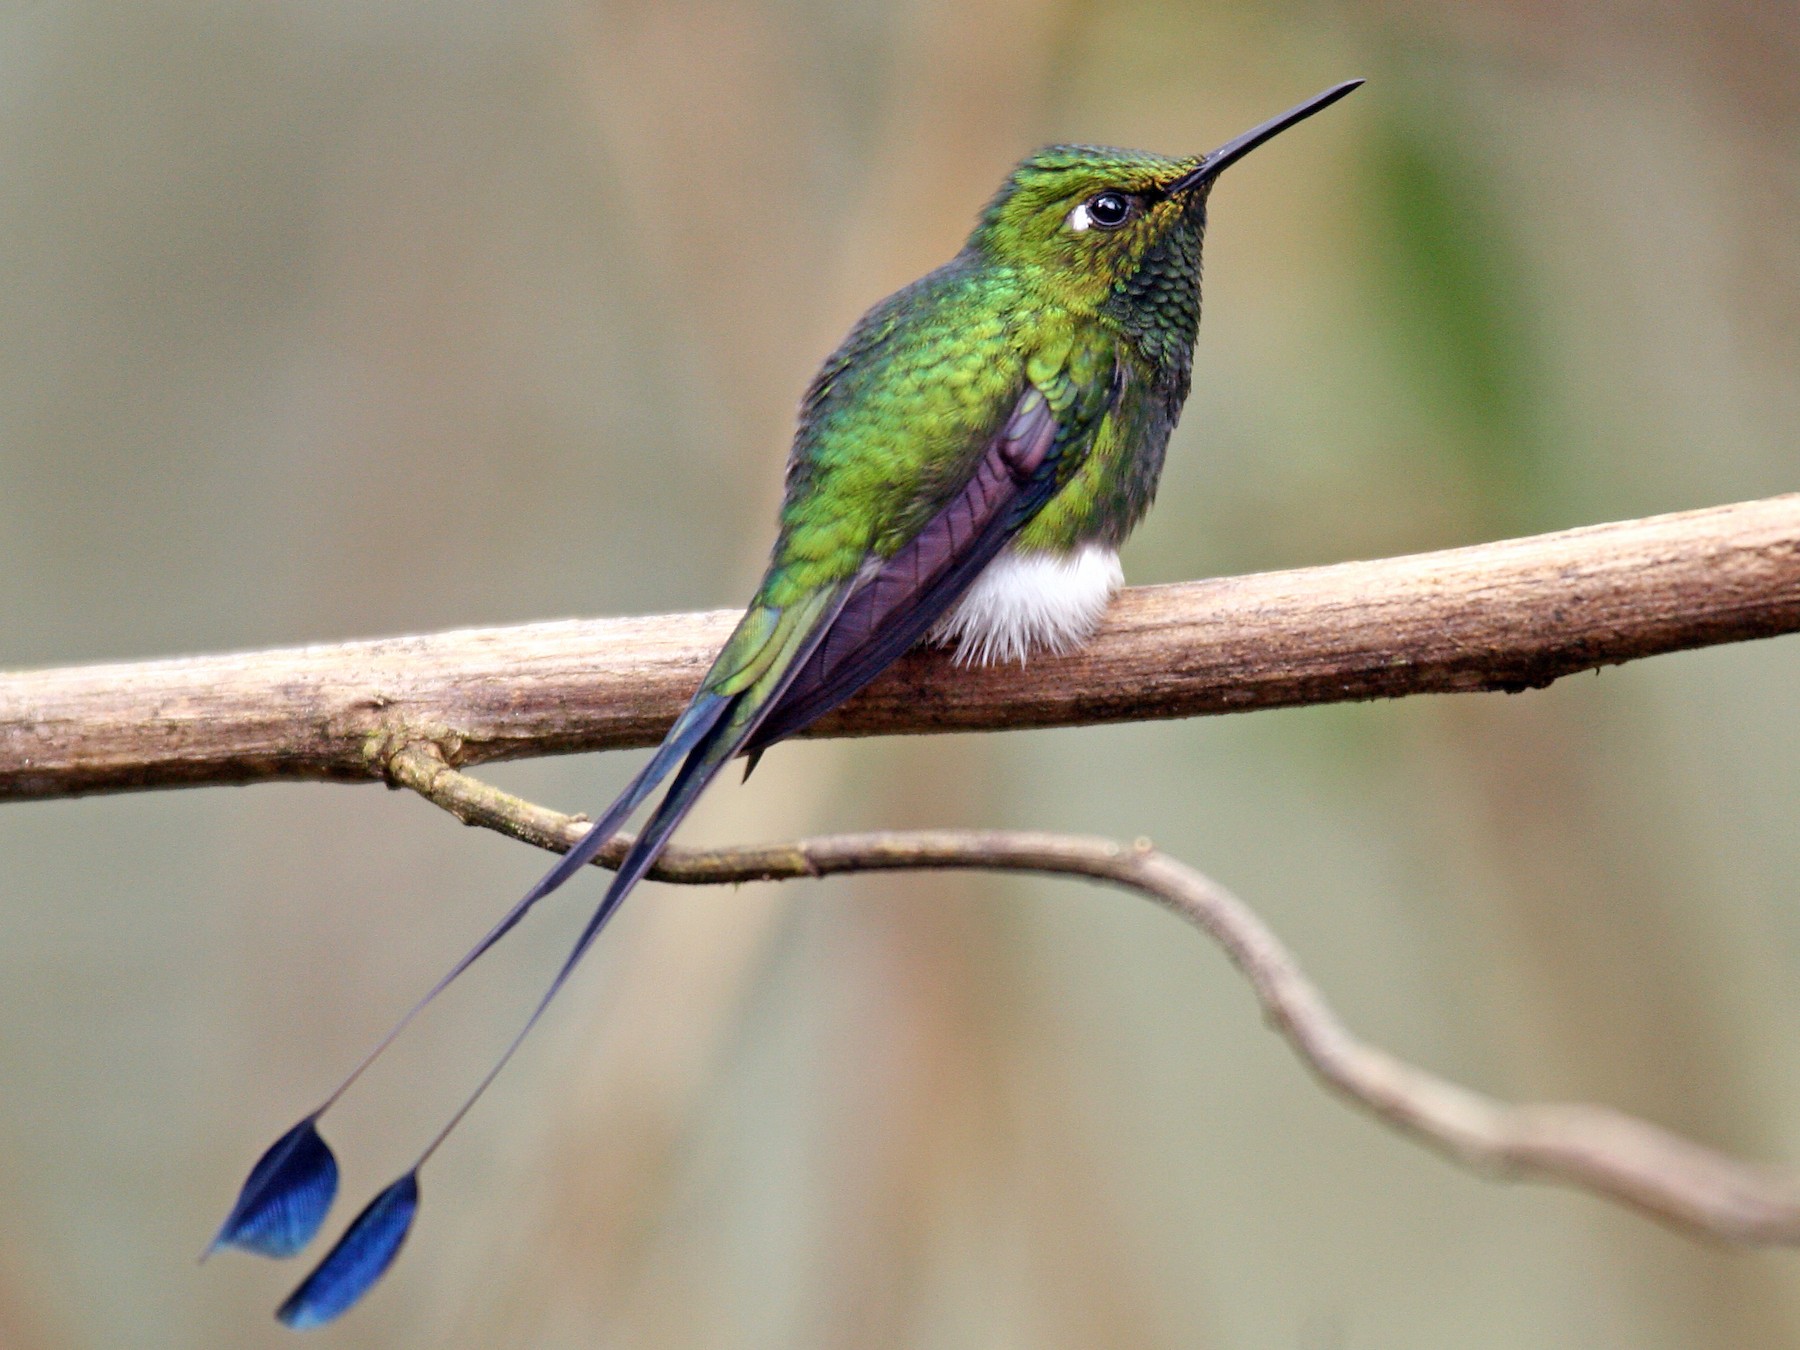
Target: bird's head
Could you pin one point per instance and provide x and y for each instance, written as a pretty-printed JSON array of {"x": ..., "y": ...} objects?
[{"x": 1086, "y": 218}]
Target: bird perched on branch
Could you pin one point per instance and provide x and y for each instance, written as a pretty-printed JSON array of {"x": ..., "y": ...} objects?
[{"x": 966, "y": 466}]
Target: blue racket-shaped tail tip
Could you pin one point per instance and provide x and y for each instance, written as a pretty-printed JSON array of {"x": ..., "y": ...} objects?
[
  {"x": 361, "y": 1257},
  {"x": 285, "y": 1198}
]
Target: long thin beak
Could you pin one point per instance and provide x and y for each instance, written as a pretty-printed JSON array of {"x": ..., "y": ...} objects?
[{"x": 1232, "y": 151}]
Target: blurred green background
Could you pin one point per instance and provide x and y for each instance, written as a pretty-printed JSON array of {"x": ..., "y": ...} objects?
[{"x": 340, "y": 319}]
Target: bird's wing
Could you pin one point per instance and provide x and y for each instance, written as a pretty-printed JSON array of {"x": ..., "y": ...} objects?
[{"x": 900, "y": 597}]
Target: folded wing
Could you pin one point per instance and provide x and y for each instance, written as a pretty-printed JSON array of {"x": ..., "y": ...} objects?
[{"x": 900, "y": 597}]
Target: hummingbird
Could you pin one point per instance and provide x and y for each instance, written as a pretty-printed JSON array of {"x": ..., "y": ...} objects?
[{"x": 966, "y": 466}]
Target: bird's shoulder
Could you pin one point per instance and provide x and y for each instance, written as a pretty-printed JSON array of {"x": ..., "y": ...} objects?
[
  {"x": 929, "y": 342},
  {"x": 936, "y": 368}
]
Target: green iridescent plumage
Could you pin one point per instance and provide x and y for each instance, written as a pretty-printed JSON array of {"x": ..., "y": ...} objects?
[
  {"x": 1012, "y": 407},
  {"x": 896, "y": 418}
]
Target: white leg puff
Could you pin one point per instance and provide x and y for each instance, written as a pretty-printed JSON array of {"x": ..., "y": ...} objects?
[{"x": 1026, "y": 602}]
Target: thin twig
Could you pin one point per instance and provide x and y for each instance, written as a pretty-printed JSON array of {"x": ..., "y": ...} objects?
[
  {"x": 1593, "y": 1148},
  {"x": 1509, "y": 616}
]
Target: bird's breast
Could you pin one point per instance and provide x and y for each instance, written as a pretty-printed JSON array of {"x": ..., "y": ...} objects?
[{"x": 1030, "y": 601}]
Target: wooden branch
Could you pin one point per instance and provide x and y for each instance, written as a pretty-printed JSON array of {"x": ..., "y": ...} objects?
[
  {"x": 1593, "y": 1148},
  {"x": 1509, "y": 616}
]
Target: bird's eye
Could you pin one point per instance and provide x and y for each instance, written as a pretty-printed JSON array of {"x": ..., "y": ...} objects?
[
  {"x": 1102, "y": 211},
  {"x": 1109, "y": 210}
]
